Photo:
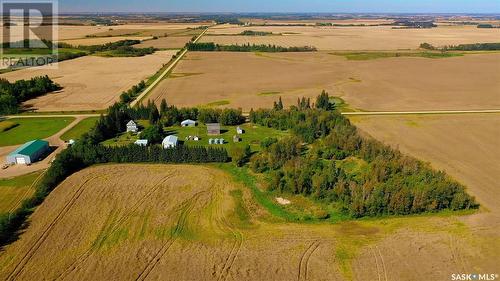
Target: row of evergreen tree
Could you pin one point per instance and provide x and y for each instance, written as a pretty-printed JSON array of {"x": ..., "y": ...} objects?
[
  {"x": 308, "y": 163},
  {"x": 13, "y": 94},
  {"x": 211, "y": 47}
]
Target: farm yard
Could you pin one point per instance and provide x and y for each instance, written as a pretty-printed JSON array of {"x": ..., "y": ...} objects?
[
  {"x": 352, "y": 38},
  {"x": 255, "y": 80},
  {"x": 101, "y": 40},
  {"x": 213, "y": 228},
  {"x": 91, "y": 83}
]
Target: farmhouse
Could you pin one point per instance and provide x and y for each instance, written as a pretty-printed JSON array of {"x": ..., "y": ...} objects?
[
  {"x": 188, "y": 123},
  {"x": 213, "y": 129},
  {"x": 170, "y": 142},
  {"x": 28, "y": 153},
  {"x": 132, "y": 127},
  {"x": 141, "y": 142},
  {"x": 239, "y": 130}
]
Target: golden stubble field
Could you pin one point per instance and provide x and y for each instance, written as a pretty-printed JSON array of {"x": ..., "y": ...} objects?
[
  {"x": 465, "y": 146},
  {"x": 352, "y": 38},
  {"x": 91, "y": 82},
  {"x": 254, "y": 80},
  {"x": 178, "y": 222}
]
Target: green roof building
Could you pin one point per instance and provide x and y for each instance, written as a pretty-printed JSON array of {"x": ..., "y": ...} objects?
[{"x": 28, "y": 153}]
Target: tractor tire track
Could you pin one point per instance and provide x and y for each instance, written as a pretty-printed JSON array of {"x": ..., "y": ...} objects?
[
  {"x": 235, "y": 249},
  {"x": 185, "y": 208},
  {"x": 376, "y": 263},
  {"x": 383, "y": 263},
  {"x": 304, "y": 260},
  {"x": 33, "y": 249},
  {"x": 83, "y": 257}
]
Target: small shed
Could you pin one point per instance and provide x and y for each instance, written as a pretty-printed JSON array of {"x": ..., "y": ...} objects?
[
  {"x": 213, "y": 129},
  {"x": 221, "y": 141},
  {"x": 132, "y": 127},
  {"x": 28, "y": 153},
  {"x": 141, "y": 142},
  {"x": 236, "y": 138},
  {"x": 196, "y": 138},
  {"x": 239, "y": 131},
  {"x": 188, "y": 123},
  {"x": 170, "y": 141},
  {"x": 211, "y": 141}
]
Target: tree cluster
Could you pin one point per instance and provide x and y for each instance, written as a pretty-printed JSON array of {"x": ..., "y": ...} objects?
[
  {"x": 13, "y": 94},
  {"x": 130, "y": 95},
  {"x": 209, "y": 47},
  {"x": 464, "y": 47},
  {"x": 310, "y": 163}
]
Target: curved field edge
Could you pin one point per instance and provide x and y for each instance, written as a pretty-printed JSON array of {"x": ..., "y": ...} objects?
[{"x": 225, "y": 211}]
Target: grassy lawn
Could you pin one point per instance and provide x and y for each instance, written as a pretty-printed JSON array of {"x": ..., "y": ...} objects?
[
  {"x": 14, "y": 190},
  {"x": 252, "y": 136},
  {"x": 32, "y": 128},
  {"x": 76, "y": 132}
]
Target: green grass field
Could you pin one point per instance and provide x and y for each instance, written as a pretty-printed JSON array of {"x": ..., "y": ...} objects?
[
  {"x": 76, "y": 132},
  {"x": 252, "y": 136},
  {"x": 14, "y": 190},
  {"x": 32, "y": 128}
]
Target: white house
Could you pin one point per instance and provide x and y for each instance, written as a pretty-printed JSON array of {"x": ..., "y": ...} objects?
[
  {"x": 188, "y": 123},
  {"x": 239, "y": 131},
  {"x": 141, "y": 142},
  {"x": 170, "y": 142},
  {"x": 196, "y": 138},
  {"x": 132, "y": 127}
]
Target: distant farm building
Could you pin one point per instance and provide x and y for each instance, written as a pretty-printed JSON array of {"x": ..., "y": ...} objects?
[
  {"x": 29, "y": 152},
  {"x": 141, "y": 142},
  {"x": 132, "y": 127},
  {"x": 213, "y": 129},
  {"x": 239, "y": 131},
  {"x": 236, "y": 139},
  {"x": 188, "y": 123},
  {"x": 170, "y": 142},
  {"x": 211, "y": 141}
]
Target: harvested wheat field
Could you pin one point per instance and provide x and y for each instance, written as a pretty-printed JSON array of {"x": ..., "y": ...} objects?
[
  {"x": 91, "y": 82},
  {"x": 101, "y": 40},
  {"x": 353, "y": 38},
  {"x": 159, "y": 222},
  {"x": 250, "y": 80}
]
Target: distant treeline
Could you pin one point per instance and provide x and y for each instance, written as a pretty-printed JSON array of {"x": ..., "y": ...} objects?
[
  {"x": 255, "y": 33},
  {"x": 414, "y": 24},
  {"x": 210, "y": 47},
  {"x": 464, "y": 47},
  {"x": 119, "y": 48},
  {"x": 487, "y": 25},
  {"x": 382, "y": 181},
  {"x": 13, "y": 94}
]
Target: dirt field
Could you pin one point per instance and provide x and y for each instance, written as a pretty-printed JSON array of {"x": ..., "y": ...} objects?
[
  {"x": 101, "y": 40},
  {"x": 92, "y": 83},
  {"x": 174, "y": 226},
  {"x": 251, "y": 80},
  {"x": 354, "y": 38},
  {"x": 166, "y": 42}
]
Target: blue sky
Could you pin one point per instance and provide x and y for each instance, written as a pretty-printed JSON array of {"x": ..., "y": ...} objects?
[{"x": 360, "y": 6}]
